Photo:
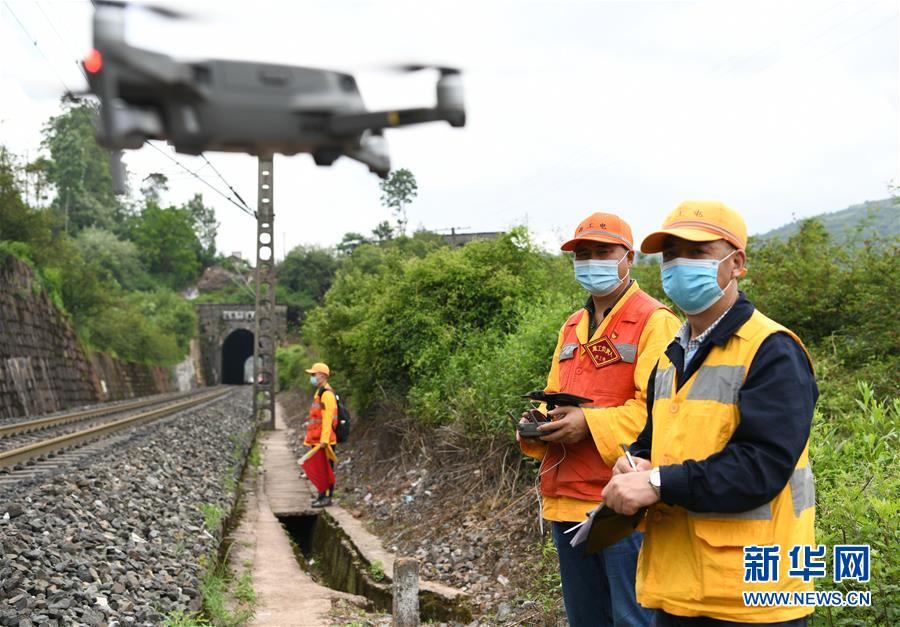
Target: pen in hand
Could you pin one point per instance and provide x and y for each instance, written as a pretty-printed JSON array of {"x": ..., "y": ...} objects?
[{"x": 629, "y": 457}]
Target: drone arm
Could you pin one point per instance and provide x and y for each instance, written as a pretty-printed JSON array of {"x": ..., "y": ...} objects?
[{"x": 350, "y": 123}]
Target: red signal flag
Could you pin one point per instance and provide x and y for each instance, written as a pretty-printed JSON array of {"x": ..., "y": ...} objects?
[{"x": 93, "y": 62}]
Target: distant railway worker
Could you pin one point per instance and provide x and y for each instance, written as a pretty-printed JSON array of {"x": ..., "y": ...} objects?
[
  {"x": 605, "y": 352},
  {"x": 723, "y": 461},
  {"x": 320, "y": 431}
]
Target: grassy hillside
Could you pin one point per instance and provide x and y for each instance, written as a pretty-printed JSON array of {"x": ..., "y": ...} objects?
[{"x": 872, "y": 216}]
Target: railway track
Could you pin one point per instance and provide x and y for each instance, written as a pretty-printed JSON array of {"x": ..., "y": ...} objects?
[
  {"x": 26, "y": 431},
  {"x": 15, "y": 460}
]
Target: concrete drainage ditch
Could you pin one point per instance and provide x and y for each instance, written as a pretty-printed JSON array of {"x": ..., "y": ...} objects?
[{"x": 346, "y": 560}]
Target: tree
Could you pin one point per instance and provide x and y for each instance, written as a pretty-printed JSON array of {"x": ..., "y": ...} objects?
[
  {"x": 383, "y": 232},
  {"x": 18, "y": 221},
  {"x": 349, "y": 243},
  {"x": 168, "y": 245},
  {"x": 206, "y": 227},
  {"x": 79, "y": 170},
  {"x": 304, "y": 276},
  {"x": 153, "y": 186},
  {"x": 397, "y": 191},
  {"x": 120, "y": 258}
]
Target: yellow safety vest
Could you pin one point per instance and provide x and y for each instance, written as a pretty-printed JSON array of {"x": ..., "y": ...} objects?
[{"x": 691, "y": 563}]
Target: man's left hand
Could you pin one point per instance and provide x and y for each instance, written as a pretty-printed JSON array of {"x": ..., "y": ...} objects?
[
  {"x": 627, "y": 493},
  {"x": 568, "y": 427}
]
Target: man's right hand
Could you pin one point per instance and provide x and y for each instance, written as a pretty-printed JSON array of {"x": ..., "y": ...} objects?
[{"x": 622, "y": 466}]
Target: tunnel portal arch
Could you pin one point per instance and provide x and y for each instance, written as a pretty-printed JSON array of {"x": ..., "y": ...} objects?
[{"x": 218, "y": 324}]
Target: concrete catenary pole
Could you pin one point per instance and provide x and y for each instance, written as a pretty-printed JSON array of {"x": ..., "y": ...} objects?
[{"x": 264, "y": 340}]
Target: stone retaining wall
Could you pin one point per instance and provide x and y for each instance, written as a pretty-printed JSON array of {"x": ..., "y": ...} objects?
[{"x": 44, "y": 368}]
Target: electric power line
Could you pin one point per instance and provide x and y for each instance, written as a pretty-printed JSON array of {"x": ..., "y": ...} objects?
[
  {"x": 63, "y": 41},
  {"x": 243, "y": 208},
  {"x": 34, "y": 41},
  {"x": 219, "y": 174}
]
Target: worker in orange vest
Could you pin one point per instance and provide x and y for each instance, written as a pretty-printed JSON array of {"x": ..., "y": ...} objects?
[
  {"x": 321, "y": 422},
  {"x": 605, "y": 352}
]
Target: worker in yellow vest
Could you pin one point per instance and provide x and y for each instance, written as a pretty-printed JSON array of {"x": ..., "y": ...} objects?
[
  {"x": 723, "y": 461},
  {"x": 605, "y": 352}
]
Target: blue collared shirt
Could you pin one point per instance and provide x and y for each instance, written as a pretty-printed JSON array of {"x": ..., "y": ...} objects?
[{"x": 690, "y": 346}]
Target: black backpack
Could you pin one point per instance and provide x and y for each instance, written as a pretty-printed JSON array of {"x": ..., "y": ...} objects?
[
  {"x": 342, "y": 430},
  {"x": 342, "y": 422}
]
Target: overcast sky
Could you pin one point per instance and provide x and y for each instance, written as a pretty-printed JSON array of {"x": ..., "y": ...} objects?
[{"x": 781, "y": 109}]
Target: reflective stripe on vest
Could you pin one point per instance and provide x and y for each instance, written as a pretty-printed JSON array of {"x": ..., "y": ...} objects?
[
  {"x": 691, "y": 563},
  {"x": 803, "y": 496},
  {"x": 314, "y": 421}
]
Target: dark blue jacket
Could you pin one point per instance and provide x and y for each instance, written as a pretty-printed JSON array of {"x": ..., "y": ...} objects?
[{"x": 776, "y": 404}]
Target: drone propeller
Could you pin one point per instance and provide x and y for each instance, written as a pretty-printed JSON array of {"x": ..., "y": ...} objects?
[
  {"x": 153, "y": 8},
  {"x": 416, "y": 67}
]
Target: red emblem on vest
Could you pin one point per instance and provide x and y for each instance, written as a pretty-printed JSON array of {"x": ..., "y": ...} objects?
[{"x": 603, "y": 352}]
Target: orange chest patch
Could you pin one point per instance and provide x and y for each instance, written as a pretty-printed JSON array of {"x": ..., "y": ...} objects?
[{"x": 602, "y": 352}]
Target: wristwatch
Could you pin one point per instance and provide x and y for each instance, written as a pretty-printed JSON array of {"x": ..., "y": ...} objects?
[{"x": 654, "y": 480}]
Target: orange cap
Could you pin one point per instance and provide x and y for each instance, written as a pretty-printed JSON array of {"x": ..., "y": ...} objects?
[
  {"x": 700, "y": 221},
  {"x": 601, "y": 227},
  {"x": 319, "y": 367}
]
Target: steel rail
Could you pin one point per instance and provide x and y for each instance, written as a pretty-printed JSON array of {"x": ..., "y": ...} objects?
[
  {"x": 39, "y": 449},
  {"x": 75, "y": 416}
]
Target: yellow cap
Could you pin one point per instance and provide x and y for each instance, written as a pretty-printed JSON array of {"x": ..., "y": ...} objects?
[
  {"x": 601, "y": 227},
  {"x": 700, "y": 221},
  {"x": 319, "y": 367}
]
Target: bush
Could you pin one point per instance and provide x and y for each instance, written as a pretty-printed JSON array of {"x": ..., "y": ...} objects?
[
  {"x": 855, "y": 458},
  {"x": 153, "y": 327},
  {"x": 391, "y": 322},
  {"x": 842, "y": 296},
  {"x": 291, "y": 363}
]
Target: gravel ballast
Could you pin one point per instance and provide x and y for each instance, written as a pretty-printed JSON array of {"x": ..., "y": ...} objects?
[{"x": 120, "y": 538}]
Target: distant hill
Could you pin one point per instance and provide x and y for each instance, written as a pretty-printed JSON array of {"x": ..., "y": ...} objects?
[{"x": 879, "y": 216}]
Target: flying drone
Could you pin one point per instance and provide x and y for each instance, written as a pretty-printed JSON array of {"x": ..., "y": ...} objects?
[{"x": 241, "y": 106}]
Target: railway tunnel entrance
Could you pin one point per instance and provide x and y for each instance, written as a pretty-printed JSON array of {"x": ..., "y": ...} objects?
[
  {"x": 227, "y": 336},
  {"x": 237, "y": 349}
]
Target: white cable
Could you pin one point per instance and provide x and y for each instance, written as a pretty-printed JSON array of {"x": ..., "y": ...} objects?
[{"x": 537, "y": 486}]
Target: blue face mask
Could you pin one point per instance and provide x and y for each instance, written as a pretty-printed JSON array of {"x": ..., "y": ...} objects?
[
  {"x": 693, "y": 284},
  {"x": 313, "y": 381},
  {"x": 600, "y": 277}
]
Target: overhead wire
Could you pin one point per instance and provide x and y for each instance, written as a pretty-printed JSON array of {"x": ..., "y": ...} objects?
[
  {"x": 805, "y": 43},
  {"x": 240, "y": 206},
  {"x": 219, "y": 174},
  {"x": 893, "y": 18},
  {"x": 64, "y": 43},
  {"x": 36, "y": 45}
]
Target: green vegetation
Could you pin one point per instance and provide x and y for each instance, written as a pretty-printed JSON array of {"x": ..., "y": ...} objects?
[
  {"x": 179, "y": 618},
  {"x": 212, "y": 517},
  {"x": 454, "y": 336},
  {"x": 255, "y": 459},
  {"x": 855, "y": 463},
  {"x": 243, "y": 589},
  {"x": 218, "y": 588},
  {"x": 876, "y": 218},
  {"x": 376, "y": 570},
  {"x": 304, "y": 277},
  {"x": 114, "y": 266}
]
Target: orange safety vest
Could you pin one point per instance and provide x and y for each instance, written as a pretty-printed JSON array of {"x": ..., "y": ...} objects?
[
  {"x": 578, "y": 470},
  {"x": 314, "y": 422}
]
